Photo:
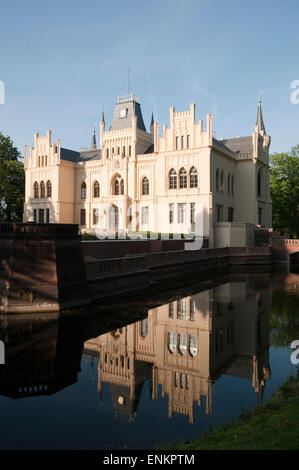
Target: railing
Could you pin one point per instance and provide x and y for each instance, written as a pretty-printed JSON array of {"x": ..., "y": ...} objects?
[{"x": 129, "y": 97}]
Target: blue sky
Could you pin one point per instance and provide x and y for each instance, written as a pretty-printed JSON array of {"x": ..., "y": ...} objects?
[{"x": 60, "y": 59}]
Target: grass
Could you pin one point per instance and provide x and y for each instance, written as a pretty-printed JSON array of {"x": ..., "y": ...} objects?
[{"x": 274, "y": 425}]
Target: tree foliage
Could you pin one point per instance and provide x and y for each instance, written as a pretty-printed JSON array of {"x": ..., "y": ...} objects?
[
  {"x": 284, "y": 184},
  {"x": 12, "y": 181}
]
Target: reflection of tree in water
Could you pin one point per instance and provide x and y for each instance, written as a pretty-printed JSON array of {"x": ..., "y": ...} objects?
[{"x": 284, "y": 318}]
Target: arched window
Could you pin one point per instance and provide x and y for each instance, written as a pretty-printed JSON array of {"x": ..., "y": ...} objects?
[
  {"x": 35, "y": 190},
  {"x": 116, "y": 187},
  {"x": 259, "y": 182},
  {"x": 42, "y": 189},
  {"x": 228, "y": 184},
  {"x": 217, "y": 179},
  {"x": 122, "y": 187},
  {"x": 49, "y": 189},
  {"x": 182, "y": 343},
  {"x": 183, "y": 178},
  {"x": 145, "y": 186},
  {"x": 144, "y": 327},
  {"x": 172, "y": 179},
  {"x": 193, "y": 178},
  {"x": 83, "y": 191},
  {"x": 172, "y": 341},
  {"x": 193, "y": 346},
  {"x": 96, "y": 189}
]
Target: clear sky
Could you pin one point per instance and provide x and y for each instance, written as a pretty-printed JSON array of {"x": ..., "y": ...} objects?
[{"x": 60, "y": 59}]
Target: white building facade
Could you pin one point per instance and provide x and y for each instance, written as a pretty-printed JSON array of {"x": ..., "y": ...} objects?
[{"x": 185, "y": 181}]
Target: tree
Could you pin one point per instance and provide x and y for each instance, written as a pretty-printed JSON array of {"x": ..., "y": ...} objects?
[
  {"x": 284, "y": 184},
  {"x": 12, "y": 181}
]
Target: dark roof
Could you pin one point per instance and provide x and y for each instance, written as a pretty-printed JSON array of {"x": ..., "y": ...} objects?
[
  {"x": 131, "y": 108},
  {"x": 69, "y": 155},
  {"x": 90, "y": 155},
  {"x": 73, "y": 156},
  {"x": 150, "y": 149},
  {"x": 239, "y": 144}
]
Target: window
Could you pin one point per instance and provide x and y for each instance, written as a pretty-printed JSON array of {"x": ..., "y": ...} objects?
[
  {"x": 34, "y": 216},
  {"x": 177, "y": 143},
  {"x": 46, "y": 160},
  {"x": 182, "y": 343},
  {"x": 96, "y": 189},
  {"x": 228, "y": 184},
  {"x": 107, "y": 153},
  {"x": 130, "y": 151},
  {"x": 41, "y": 216},
  {"x": 42, "y": 160},
  {"x": 35, "y": 190},
  {"x": 83, "y": 217},
  {"x": 182, "y": 309},
  {"x": 193, "y": 345},
  {"x": 83, "y": 191},
  {"x": 42, "y": 189},
  {"x": 144, "y": 327},
  {"x": 230, "y": 214},
  {"x": 232, "y": 185},
  {"x": 219, "y": 213},
  {"x": 172, "y": 341},
  {"x": 116, "y": 187},
  {"x": 259, "y": 182},
  {"x": 192, "y": 309},
  {"x": 171, "y": 213},
  {"x": 95, "y": 216},
  {"x": 144, "y": 216},
  {"x": 172, "y": 179},
  {"x": 124, "y": 152},
  {"x": 217, "y": 179},
  {"x": 188, "y": 141},
  {"x": 193, "y": 178},
  {"x": 122, "y": 186},
  {"x": 182, "y": 142},
  {"x": 183, "y": 178},
  {"x": 192, "y": 213},
  {"x": 222, "y": 181},
  {"x": 118, "y": 150},
  {"x": 38, "y": 161},
  {"x": 171, "y": 310},
  {"x": 182, "y": 212},
  {"x": 260, "y": 216},
  {"x": 49, "y": 189},
  {"x": 47, "y": 216},
  {"x": 176, "y": 379},
  {"x": 145, "y": 186}
]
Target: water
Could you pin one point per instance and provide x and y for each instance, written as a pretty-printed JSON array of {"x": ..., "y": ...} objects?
[{"x": 137, "y": 373}]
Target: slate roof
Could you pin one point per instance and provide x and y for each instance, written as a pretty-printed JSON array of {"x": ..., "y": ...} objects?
[
  {"x": 73, "y": 156},
  {"x": 69, "y": 155},
  {"x": 132, "y": 107},
  {"x": 239, "y": 144}
]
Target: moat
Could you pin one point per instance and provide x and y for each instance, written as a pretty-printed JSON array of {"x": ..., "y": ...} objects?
[{"x": 139, "y": 371}]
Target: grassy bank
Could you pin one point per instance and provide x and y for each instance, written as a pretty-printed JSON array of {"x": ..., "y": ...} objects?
[{"x": 274, "y": 425}]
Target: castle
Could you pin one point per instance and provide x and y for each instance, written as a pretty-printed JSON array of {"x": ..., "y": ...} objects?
[{"x": 139, "y": 181}]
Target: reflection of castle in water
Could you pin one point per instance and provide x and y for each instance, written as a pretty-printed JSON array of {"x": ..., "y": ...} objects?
[{"x": 186, "y": 345}]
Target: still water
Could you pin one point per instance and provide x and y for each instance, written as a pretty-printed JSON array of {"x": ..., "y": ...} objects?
[{"x": 137, "y": 373}]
